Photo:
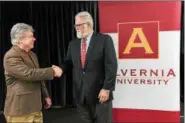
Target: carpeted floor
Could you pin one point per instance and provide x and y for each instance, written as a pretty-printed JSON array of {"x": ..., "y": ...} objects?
[{"x": 68, "y": 115}]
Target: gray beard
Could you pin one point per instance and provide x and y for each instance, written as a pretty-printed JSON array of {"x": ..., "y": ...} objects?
[{"x": 79, "y": 34}]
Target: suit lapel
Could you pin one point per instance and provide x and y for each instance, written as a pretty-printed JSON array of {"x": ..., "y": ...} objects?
[
  {"x": 90, "y": 48},
  {"x": 34, "y": 60},
  {"x": 28, "y": 58},
  {"x": 78, "y": 51}
]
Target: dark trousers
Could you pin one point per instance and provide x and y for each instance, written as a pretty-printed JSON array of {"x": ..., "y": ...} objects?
[{"x": 98, "y": 113}]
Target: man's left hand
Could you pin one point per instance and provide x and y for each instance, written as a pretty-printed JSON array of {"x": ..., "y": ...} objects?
[
  {"x": 103, "y": 95},
  {"x": 48, "y": 103}
]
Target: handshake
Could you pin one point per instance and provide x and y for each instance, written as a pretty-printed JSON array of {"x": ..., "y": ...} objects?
[{"x": 57, "y": 71}]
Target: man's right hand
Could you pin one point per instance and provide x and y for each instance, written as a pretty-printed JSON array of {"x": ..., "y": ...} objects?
[{"x": 57, "y": 71}]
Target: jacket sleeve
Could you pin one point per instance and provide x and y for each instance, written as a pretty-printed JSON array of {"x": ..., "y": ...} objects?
[
  {"x": 110, "y": 62},
  {"x": 15, "y": 66}
]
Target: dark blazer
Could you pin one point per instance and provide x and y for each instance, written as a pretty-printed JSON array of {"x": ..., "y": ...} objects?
[
  {"x": 24, "y": 82},
  {"x": 100, "y": 68}
]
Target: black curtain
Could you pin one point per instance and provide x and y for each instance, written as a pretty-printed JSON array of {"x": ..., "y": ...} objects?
[
  {"x": 53, "y": 23},
  {"x": 182, "y": 55}
]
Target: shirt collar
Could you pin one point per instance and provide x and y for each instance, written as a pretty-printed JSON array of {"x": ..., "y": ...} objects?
[
  {"x": 21, "y": 50},
  {"x": 89, "y": 37}
]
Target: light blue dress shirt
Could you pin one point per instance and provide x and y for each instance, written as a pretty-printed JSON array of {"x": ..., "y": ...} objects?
[{"x": 87, "y": 41}]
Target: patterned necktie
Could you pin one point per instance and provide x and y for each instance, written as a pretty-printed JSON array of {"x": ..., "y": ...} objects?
[{"x": 83, "y": 52}]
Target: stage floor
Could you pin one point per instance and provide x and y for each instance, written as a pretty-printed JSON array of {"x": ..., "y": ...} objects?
[{"x": 66, "y": 115}]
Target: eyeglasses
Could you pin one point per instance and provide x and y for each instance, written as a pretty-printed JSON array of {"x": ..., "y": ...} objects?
[{"x": 78, "y": 25}]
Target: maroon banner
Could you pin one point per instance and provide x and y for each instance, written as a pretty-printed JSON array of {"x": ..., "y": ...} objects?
[
  {"x": 111, "y": 13},
  {"x": 121, "y": 18}
]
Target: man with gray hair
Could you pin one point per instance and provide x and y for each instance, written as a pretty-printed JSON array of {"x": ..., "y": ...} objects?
[
  {"x": 24, "y": 78},
  {"x": 94, "y": 63}
]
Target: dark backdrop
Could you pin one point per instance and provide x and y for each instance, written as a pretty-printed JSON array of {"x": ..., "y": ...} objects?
[
  {"x": 182, "y": 55},
  {"x": 53, "y": 23}
]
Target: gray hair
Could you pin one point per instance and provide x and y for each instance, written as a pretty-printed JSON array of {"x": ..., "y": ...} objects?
[
  {"x": 86, "y": 16},
  {"x": 17, "y": 30}
]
